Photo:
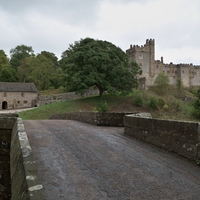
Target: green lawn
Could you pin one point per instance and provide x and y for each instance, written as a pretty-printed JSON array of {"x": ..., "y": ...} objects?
[{"x": 176, "y": 108}]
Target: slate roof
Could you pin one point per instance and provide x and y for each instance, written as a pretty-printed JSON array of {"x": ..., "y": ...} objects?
[{"x": 17, "y": 87}]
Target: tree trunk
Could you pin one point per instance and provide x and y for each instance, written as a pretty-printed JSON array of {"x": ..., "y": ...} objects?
[{"x": 101, "y": 91}]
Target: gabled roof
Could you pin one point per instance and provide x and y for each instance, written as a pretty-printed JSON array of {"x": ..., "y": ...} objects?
[{"x": 17, "y": 87}]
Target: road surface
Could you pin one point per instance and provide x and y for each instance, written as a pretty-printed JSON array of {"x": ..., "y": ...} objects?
[{"x": 79, "y": 161}]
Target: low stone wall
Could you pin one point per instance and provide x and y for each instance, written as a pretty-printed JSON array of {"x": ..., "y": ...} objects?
[
  {"x": 6, "y": 125},
  {"x": 180, "y": 137},
  {"x": 18, "y": 180},
  {"x": 96, "y": 118},
  {"x": 48, "y": 99}
]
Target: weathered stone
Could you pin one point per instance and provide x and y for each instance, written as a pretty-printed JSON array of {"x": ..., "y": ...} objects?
[
  {"x": 97, "y": 118},
  {"x": 17, "y": 163},
  {"x": 176, "y": 136},
  {"x": 144, "y": 55}
]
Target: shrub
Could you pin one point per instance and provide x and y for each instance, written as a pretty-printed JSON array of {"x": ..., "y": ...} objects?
[
  {"x": 161, "y": 102},
  {"x": 165, "y": 107},
  {"x": 138, "y": 101},
  {"x": 179, "y": 83},
  {"x": 153, "y": 104},
  {"x": 102, "y": 106},
  {"x": 196, "y": 105},
  {"x": 162, "y": 83}
]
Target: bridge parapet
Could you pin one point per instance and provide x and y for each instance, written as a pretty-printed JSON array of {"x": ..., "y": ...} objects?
[{"x": 180, "y": 137}]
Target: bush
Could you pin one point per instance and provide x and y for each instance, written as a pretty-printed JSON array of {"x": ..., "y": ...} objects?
[
  {"x": 161, "y": 83},
  {"x": 166, "y": 107},
  {"x": 153, "y": 104},
  {"x": 161, "y": 102},
  {"x": 138, "y": 101},
  {"x": 196, "y": 105},
  {"x": 102, "y": 106}
]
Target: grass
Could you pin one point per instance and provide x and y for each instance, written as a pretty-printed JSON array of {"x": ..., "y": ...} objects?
[{"x": 170, "y": 107}]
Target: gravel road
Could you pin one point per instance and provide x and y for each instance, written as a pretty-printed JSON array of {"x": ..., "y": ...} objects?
[{"x": 79, "y": 161}]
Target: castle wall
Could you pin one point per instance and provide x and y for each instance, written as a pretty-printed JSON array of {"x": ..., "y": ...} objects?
[
  {"x": 195, "y": 76},
  {"x": 145, "y": 57}
]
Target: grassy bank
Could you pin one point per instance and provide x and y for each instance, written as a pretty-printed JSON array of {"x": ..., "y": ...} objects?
[{"x": 173, "y": 104}]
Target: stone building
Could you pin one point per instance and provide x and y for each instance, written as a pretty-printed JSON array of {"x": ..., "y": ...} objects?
[
  {"x": 18, "y": 95},
  {"x": 145, "y": 56}
]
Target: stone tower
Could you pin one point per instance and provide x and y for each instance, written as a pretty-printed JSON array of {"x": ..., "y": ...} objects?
[{"x": 145, "y": 56}]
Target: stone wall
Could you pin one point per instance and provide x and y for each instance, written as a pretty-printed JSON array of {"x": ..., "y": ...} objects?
[
  {"x": 180, "y": 137},
  {"x": 144, "y": 55},
  {"x": 96, "y": 118},
  {"x": 48, "y": 99},
  {"x": 18, "y": 173},
  {"x": 12, "y": 100},
  {"x": 6, "y": 125}
]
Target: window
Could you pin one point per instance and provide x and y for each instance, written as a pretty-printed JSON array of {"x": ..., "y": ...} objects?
[
  {"x": 25, "y": 101},
  {"x": 18, "y": 102},
  {"x": 140, "y": 56}
]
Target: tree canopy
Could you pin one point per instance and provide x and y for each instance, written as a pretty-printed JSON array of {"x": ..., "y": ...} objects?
[
  {"x": 7, "y": 73},
  {"x": 90, "y": 62},
  {"x": 42, "y": 69},
  {"x": 19, "y": 53}
]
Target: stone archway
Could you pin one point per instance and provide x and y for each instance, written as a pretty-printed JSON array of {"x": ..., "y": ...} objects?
[{"x": 4, "y": 105}]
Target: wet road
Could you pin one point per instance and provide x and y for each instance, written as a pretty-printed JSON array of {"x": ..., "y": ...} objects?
[{"x": 79, "y": 161}]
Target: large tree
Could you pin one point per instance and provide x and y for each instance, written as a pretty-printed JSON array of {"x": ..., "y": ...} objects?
[
  {"x": 19, "y": 53},
  {"x": 7, "y": 73},
  {"x": 50, "y": 56},
  {"x": 97, "y": 63},
  {"x": 43, "y": 72}
]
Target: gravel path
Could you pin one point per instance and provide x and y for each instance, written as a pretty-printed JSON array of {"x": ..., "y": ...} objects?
[{"x": 79, "y": 161}]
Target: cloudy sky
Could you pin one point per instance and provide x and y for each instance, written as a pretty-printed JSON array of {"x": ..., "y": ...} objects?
[{"x": 51, "y": 25}]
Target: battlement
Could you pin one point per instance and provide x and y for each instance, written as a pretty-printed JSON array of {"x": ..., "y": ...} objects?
[
  {"x": 144, "y": 55},
  {"x": 149, "y": 42}
]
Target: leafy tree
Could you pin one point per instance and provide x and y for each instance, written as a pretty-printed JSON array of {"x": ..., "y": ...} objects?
[
  {"x": 7, "y": 74},
  {"x": 42, "y": 72},
  {"x": 19, "y": 53},
  {"x": 135, "y": 70},
  {"x": 50, "y": 56},
  {"x": 196, "y": 105},
  {"x": 25, "y": 68},
  {"x": 3, "y": 58},
  {"x": 58, "y": 78},
  {"x": 162, "y": 83},
  {"x": 97, "y": 63}
]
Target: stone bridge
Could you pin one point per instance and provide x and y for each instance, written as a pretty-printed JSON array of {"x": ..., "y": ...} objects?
[{"x": 67, "y": 159}]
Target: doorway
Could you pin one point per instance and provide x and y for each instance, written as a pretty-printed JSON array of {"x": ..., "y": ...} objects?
[{"x": 4, "y": 105}]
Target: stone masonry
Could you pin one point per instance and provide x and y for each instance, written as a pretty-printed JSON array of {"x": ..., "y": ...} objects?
[{"x": 145, "y": 56}]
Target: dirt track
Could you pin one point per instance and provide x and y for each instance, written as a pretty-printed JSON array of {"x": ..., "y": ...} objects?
[{"x": 79, "y": 161}]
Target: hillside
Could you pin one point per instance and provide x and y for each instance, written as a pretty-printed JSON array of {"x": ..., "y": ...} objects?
[{"x": 175, "y": 104}]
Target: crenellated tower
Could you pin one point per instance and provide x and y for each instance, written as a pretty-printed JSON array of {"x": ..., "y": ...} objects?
[{"x": 144, "y": 55}]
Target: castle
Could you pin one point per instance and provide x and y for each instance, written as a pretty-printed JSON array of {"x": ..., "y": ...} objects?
[{"x": 145, "y": 57}]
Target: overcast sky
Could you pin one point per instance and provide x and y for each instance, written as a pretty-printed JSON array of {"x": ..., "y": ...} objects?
[{"x": 51, "y": 25}]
